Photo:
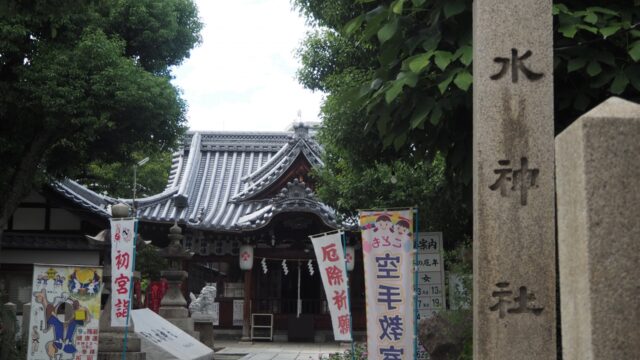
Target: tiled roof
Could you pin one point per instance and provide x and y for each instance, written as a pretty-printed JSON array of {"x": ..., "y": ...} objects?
[
  {"x": 218, "y": 181},
  {"x": 84, "y": 197}
]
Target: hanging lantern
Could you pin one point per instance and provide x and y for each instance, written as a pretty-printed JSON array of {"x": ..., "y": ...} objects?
[
  {"x": 350, "y": 257},
  {"x": 246, "y": 257}
]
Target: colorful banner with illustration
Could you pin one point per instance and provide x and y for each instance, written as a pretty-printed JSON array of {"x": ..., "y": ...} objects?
[
  {"x": 332, "y": 267},
  {"x": 387, "y": 249},
  {"x": 65, "y": 313},
  {"x": 122, "y": 257}
]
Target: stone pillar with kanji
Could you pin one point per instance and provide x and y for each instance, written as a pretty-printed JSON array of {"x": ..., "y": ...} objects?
[{"x": 514, "y": 265}]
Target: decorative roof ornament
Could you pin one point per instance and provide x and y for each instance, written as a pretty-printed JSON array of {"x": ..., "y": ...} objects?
[
  {"x": 295, "y": 189},
  {"x": 300, "y": 131}
]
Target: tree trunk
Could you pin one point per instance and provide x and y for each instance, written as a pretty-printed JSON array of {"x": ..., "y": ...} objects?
[{"x": 23, "y": 179}]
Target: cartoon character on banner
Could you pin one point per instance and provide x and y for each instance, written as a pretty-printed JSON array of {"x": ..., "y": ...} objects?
[
  {"x": 402, "y": 229},
  {"x": 58, "y": 281},
  {"x": 383, "y": 232},
  {"x": 63, "y": 330},
  {"x": 35, "y": 340},
  {"x": 127, "y": 234},
  {"x": 43, "y": 279},
  {"x": 84, "y": 282},
  {"x": 384, "y": 225}
]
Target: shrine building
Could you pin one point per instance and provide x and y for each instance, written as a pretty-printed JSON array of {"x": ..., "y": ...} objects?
[
  {"x": 227, "y": 191},
  {"x": 231, "y": 189}
]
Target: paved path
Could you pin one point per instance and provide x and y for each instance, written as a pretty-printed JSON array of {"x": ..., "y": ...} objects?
[{"x": 277, "y": 350}]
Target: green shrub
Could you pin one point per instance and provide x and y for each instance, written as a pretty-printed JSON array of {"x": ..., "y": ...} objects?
[{"x": 360, "y": 353}]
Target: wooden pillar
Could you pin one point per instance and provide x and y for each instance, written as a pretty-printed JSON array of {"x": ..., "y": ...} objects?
[{"x": 246, "y": 312}]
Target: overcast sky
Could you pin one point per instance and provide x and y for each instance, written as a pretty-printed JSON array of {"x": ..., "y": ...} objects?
[{"x": 242, "y": 76}]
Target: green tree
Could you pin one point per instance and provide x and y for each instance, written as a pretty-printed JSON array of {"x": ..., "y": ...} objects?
[
  {"x": 347, "y": 183},
  {"x": 402, "y": 183},
  {"x": 404, "y": 90},
  {"x": 85, "y": 82},
  {"x": 116, "y": 178},
  {"x": 150, "y": 263}
]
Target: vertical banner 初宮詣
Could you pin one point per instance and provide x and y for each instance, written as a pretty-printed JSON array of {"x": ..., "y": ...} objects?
[
  {"x": 123, "y": 239},
  {"x": 387, "y": 249},
  {"x": 331, "y": 264},
  {"x": 65, "y": 312}
]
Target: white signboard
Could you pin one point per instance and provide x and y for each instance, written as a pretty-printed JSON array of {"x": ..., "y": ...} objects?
[
  {"x": 387, "y": 249},
  {"x": 332, "y": 267},
  {"x": 65, "y": 312},
  {"x": 430, "y": 287},
  {"x": 123, "y": 239},
  {"x": 238, "y": 311},
  {"x": 169, "y": 337},
  {"x": 428, "y": 261}
]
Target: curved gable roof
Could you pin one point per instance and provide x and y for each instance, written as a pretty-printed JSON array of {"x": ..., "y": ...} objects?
[
  {"x": 217, "y": 179},
  {"x": 84, "y": 197}
]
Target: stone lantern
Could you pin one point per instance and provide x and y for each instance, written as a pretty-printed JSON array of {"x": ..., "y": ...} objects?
[{"x": 173, "y": 306}]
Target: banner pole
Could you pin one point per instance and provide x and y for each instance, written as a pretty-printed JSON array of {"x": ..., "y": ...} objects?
[
  {"x": 415, "y": 284},
  {"x": 133, "y": 269},
  {"x": 344, "y": 251}
]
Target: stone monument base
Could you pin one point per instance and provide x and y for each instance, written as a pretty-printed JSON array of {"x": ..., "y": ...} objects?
[
  {"x": 114, "y": 342},
  {"x": 179, "y": 317},
  {"x": 118, "y": 356},
  {"x": 111, "y": 345},
  {"x": 205, "y": 329}
]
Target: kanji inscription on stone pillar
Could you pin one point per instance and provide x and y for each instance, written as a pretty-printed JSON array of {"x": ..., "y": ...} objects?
[{"x": 513, "y": 161}]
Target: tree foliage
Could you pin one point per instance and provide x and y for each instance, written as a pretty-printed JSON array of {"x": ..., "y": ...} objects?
[
  {"x": 418, "y": 57},
  {"x": 85, "y": 82},
  {"x": 404, "y": 89},
  {"x": 597, "y": 54},
  {"x": 150, "y": 263},
  {"x": 116, "y": 178},
  {"x": 403, "y": 183}
]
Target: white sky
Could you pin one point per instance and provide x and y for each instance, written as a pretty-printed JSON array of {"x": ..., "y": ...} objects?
[{"x": 242, "y": 76}]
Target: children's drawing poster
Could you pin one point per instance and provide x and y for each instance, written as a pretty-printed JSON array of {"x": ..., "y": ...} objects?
[
  {"x": 65, "y": 312},
  {"x": 387, "y": 249}
]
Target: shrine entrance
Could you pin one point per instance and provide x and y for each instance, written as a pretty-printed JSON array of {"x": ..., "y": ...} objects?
[
  {"x": 277, "y": 292},
  {"x": 285, "y": 277}
]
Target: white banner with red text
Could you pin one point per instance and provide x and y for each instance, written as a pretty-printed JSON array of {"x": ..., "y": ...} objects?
[
  {"x": 332, "y": 267},
  {"x": 123, "y": 239},
  {"x": 387, "y": 249}
]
